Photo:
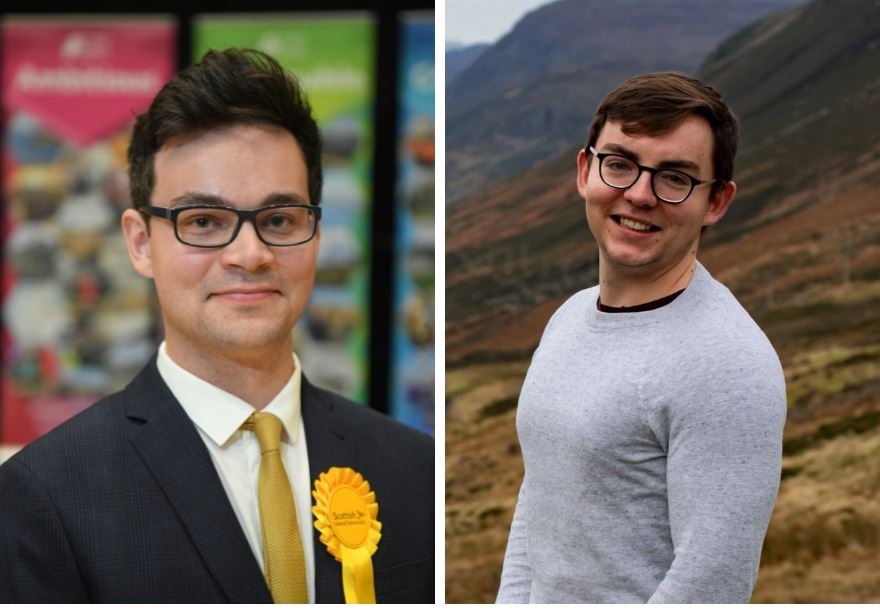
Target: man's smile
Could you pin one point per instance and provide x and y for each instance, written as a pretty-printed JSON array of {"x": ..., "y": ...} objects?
[
  {"x": 249, "y": 294},
  {"x": 633, "y": 224}
]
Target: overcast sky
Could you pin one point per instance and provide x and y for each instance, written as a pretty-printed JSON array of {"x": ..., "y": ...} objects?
[{"x": 473, "y": 21}]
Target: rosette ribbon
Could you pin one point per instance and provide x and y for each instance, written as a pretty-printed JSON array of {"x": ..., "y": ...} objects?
[{"x": 345, "y": 513}]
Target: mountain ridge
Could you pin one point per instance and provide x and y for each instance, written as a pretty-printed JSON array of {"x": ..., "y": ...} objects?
[{"x": 522, "y": 96}]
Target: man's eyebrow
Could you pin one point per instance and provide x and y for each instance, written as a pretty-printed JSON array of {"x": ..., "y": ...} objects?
[
  {"x": 665, "y": 164},
  {"x": 283, "y": 198},
  {"x": 621, "y": 150},
  {"x": 198, "y": 198}
]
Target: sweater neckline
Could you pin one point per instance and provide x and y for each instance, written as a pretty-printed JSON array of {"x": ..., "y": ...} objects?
[
  {"x": 655, "y": 304},
  {"x": 678, "y": 308}
]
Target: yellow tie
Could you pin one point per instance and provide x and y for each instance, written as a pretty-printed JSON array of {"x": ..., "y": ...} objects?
[{"x": 282, "y": 547}]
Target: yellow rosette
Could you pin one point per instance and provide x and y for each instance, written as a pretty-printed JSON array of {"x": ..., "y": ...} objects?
[{"x": 345, "y": 513}]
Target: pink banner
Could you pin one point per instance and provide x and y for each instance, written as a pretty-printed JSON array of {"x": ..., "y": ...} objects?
[
  {"x": 85, "y": 80},
  {"x": 77, "y": 320}
]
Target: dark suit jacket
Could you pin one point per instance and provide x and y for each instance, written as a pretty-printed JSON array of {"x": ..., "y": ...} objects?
[{"x": 122, "y": 504}]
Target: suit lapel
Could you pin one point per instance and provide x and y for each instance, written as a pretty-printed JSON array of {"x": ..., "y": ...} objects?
[
  {"x": 329, "y": 443},
  {"x": 173, "y": 451}
]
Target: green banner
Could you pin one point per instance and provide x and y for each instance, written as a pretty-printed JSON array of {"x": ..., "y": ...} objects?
[{"x": 334, "y": 58}]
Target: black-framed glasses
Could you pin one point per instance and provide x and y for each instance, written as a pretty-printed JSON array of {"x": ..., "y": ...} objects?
[
  {"x": 669, "y": 185},
  {"x": 215, "y": 226}
]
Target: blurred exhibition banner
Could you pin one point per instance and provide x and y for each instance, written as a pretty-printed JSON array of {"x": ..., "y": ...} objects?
[
  {"x": 333, "y": 58},
  {"x": 78, "y": 322},
  {"x": 412, "y": 387}
]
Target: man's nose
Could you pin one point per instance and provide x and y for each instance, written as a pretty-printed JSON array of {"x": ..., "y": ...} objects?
[
  {"x": 247, "y": 250},
  {"x": 641, "y": 193}
]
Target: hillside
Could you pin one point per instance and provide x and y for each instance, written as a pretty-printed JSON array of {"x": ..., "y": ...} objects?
[
  {"x": 460, "y": 57},
  {"x": 800, "y": 248}
]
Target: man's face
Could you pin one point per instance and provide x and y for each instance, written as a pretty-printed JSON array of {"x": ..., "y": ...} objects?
[
  {"x": 243, "y": 299},
  {"x": 638, "y": 235}
]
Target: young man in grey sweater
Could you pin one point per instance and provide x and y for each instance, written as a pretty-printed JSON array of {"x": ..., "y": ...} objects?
[{"x": 651, "y": 416}]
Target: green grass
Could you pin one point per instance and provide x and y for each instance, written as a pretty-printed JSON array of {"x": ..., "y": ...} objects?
[
  {"x": 499, "y": 407},
  {"x": 830, "y": 372},
  {"x": 858, "y": 424}
]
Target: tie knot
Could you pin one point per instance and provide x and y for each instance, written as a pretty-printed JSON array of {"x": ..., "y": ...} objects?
[{"x": 267, "y": 428}]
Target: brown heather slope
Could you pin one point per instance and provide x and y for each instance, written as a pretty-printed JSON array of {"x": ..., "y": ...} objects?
[
  {"x": 512, "y": 255},
  {"x": 801, "y": 250}
]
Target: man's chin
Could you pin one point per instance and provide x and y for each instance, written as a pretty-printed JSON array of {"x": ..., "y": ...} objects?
[
  {"x": 628, "y": 262},
  {"x": 254, "y": 339}
]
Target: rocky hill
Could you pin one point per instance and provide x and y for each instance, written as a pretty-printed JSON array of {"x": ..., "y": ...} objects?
[{"x": 460, "y": 57}]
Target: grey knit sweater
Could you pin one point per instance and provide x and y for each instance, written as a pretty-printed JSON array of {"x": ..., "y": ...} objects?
[{"x": 652, "y": 448}]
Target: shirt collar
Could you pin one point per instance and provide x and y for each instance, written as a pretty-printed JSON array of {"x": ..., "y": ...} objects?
[{"x": 220, "y": 414}]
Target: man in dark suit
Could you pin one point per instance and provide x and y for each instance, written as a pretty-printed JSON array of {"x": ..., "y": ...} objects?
[{"x": 156, "y": 493}]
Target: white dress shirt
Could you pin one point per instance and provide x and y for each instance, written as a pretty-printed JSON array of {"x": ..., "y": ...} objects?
[{"x": 218, "y": 416}]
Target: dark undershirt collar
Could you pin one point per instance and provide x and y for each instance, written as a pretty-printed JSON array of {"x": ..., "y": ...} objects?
[{"x": 656, "y": 304}]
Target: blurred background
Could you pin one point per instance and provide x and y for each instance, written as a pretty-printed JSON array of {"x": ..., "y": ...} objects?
[
  {"x": 800, "y": 248},
  {"x": 78, "y": 322}
]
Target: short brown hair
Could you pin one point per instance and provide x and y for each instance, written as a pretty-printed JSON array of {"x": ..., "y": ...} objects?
[
  {"x": 658, "y": 102},
  {"x": 235, "y": 86}
]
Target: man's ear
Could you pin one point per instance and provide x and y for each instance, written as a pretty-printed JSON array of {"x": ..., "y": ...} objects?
[
  {"x": 137, "y": 240},
  {"x": 718, "y": 203},
  {"x": 583, "y": 163}
]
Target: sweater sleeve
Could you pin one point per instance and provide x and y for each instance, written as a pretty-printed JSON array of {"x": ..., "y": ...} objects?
[
  {"x": 516, "y": 576},
  {"x": 723, "y": 469}
]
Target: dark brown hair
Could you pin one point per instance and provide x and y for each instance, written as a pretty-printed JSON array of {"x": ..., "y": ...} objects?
[
  {"x": 235, "y": 86},
  {"x": 658, "y": 102}
]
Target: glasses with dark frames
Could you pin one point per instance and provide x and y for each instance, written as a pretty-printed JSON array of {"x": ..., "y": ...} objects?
[
  {"x": 215, "y": 226},
  {"x": 669, "y": 185}
]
